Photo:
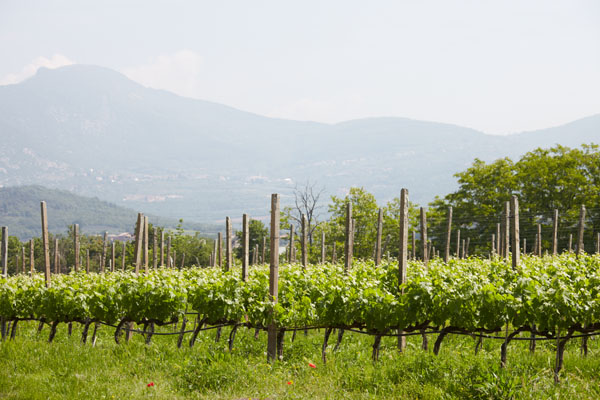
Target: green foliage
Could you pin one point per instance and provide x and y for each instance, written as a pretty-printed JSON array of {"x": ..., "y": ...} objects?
[{"x": 257, "y": 231}]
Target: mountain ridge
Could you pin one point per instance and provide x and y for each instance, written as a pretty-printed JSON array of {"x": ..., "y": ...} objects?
[{"x": 94, "y": 132}]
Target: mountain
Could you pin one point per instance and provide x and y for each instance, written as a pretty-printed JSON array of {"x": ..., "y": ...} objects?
[
  {"x": 20, "y": 211},
  {"x": 94, "y": 132}
]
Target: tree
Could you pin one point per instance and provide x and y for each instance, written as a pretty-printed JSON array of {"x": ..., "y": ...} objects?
[
  {"x": 257, "y": 231},
  {"x": 306, "y": 202}
]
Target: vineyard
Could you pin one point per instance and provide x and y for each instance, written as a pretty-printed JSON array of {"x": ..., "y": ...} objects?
[{"x": 554, "y": 298}]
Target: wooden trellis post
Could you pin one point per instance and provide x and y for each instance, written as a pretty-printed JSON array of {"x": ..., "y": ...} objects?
[
  {"x": 245, "y": 246},
  {"x": 448, "y": 235},
  {"x": 555, "y": 233},
  {"x": 403, "y": 251},
  {"x": 228, "y": 252},
  {"x": 4, "y": 255},
  {"x": 514, "y": 210},
  {"x": 323, "y": 248},
  {"x": 76, "y": 249},
  {"x": 56, "y": 257},
  {"x": 137, "y": 254},
  {"x": 123, "y": 253},
  {"x": 458, "y": 243},
  {"x": 155, "y": 248},
  {"x": 220, "y": 249},
  {"x": 273, "y": 275},
  {"x": 348, "y": 242},
  {"x": 580, "y": 229},
  {"x": 378, "y": 238},
  {"x": 31, "y": 256},
  {"x": 45, "y": 244},
  {"x": 304, "y": 243}
]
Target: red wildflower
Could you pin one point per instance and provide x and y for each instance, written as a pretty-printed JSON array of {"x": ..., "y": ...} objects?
[
  {"x": 151, "y": 384},
  {"x": 289, "y": 382},
  {"x": 312, "y": 365}
]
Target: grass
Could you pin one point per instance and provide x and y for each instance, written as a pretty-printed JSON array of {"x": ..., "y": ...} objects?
[{"x": 31, "y": 368}]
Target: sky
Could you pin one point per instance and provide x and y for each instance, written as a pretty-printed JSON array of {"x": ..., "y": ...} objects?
[{"x": 496, "y": 66}]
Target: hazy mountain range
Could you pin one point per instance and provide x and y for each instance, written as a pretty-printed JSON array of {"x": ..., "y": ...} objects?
[{"x": 94, "y": 132}]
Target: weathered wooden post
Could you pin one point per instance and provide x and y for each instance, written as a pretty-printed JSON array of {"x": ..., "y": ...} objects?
[
  {"x": 123, "y": 253},
  {"x": 333, "y": 253},
  {"x": 514, "y": 210},
  {"x": 23, "y": 269},
  {"x": 76, "y": 248},
  {"x": 220, "y": 249},
  {"x": 323, "y": 248},
  {"x": 113, "y": 255},
  {"x": 506, "y": 238},
  {"x": 264, "y": 251},
  {"x": 448, "y": 235},
  {"x": 169, "y": 259},
  {"x": 145, "y": 245},
  {"x": 498, "y": 240},
  {"x": 4, "y": 256},
  {"x": 493, "y": 244},
  {"x": 245, "y": 246},
  {"x": 228, "y": 252},
  {"x": 45, "y": 244},
  {"x": 580, "y": 229},
  {"x": 403, "y": 252},
  {"x": 414, "y": 245},
  {"x": 555, "y": 233},
  {"x": 524, "y": 246},
  {"x": 273, "y": 276},
  {"x": 598, "y": 243},
  {"x": 87, "y": 261},
  {"x": 103, "y": 259},
  {"x": 458, "y": 243},
  {"x": 570, "y": 242},
  {"x": 304, "y": 242},
  {"x": 539, "y": 240},
  {"x": 137, "y": 254},
  {"x": 467, "y": 247},
  {"x": 31, "y": 256},
  {"x": 56, "y": 257},
  {"x": 348, "y": 241},
  {"x": 162, "y": 248},
  {"x": 378, "y": 237},
  {"x": 291, "y": 245},
  {"x": 154, "y": 248},
  {"x": 463, "y": 250}
]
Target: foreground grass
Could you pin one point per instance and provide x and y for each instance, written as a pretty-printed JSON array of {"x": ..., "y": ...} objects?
[{"x": 30, "y": 368}]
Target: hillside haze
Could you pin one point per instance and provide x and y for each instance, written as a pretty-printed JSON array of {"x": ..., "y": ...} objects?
[{"x": 92, "y": 131}]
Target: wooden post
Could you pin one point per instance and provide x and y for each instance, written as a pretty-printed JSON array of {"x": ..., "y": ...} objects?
[
  {"x": 524, "y": 246},
  {"x": 23, "y": 260},
  {"x": 463, "y": 251},
  {"x": 581, "y": 227},
  {"x": 169, "y": 259},
  {"x": 539, "y": 240},
  {"x": 323, "y": 251},
  {"x": 403, "y": 251},
  {"x": 255, "y": 255},
  {"x": 245, "y": 246},
  {"x": 45, "y": 244},
  {"x": 123, "y": 253},
  {"x": 555, "y": 233},
  {"x": 448, "y": 235},
  {"x": 220, "y": 249},
  {"x": 76, "y": 248},
  {"x": 87, "y": 261},
  {"x": 162, "y": 248},
  {"x": 4, "y": 256},
  {"x": 458, "y": 243},
  {"x": 264, "y": 250},
  {"x": 467, "y": 249},
  {"x": 31, "y": 256},
  {"x": 498, "y": 240},
  {"x": 506, "y": 238},
  {"x": 215, "y": 251},
  {"x": 273, "y": 275},
  {"x": 154, "y": 248},
  {"x": 570, "y": 242},
  {"x": 103, "y": 259},
  {"x": 137, "y": 254},
  {"x": 493, "y": 244},
  {"x": 348, "y": 242},
  {"x": 304, "y": 242},
  {"x": 228, "y": 253},
  {"x": 56, "y": 256},
  {"x": 113, "y": 255},
  {"x": 145, "y": 245},
  {"x": 514, "y": 211},
  {"x": 378, "y": 237},
  {"x": 291, "y": 245}
]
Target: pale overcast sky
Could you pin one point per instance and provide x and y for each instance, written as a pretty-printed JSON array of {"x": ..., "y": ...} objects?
[{"x": 496, "y": 66}]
